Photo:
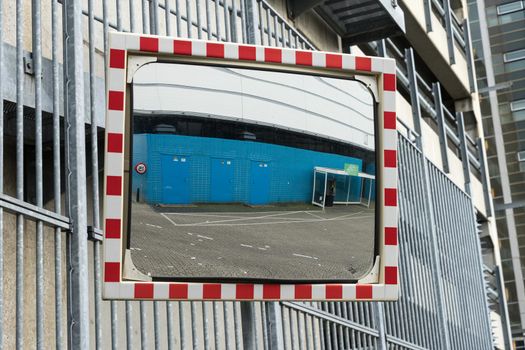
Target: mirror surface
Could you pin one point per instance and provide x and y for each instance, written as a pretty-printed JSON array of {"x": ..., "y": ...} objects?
[{"x": 240, "y": 173}]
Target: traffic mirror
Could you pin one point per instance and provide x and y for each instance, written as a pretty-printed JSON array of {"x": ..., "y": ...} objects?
[{"x": 237, "y": 172}]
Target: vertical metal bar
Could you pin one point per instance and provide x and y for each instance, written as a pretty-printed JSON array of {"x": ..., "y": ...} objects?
[
  {"x": 145, "y": 17},
  {"x": 129, "y": 325},
  {"x": 227, "y": 337},
  {"x": 97, "y": 292},
  {"x": 19, "y": 176},
  {"x": 188, "y": 18},
  {"x": 275, "y": 325},
  {"x": 427, "y": 4},
  {"x": 438, "y": 105},
  {"x": 248, "y": 326},
  {"x": 503, "y": 310},
  {"x": 170, "y": 326},
  {"x": 167, "y": 14},
  {"x": 268, "y": 27},
  {"x": 132, "y": 27},
  {"x": 233, "y": 21},
  {"x": 227, "y": 28},
  {"x": 450, "y": 31},
  {"x": 485, "y": 181},
  {"x": 194, "y": 327},
  {"x": 243, "y": 22},
  {"x": 237, "y": 323},
  {"x": 143, "y": 323},
  {"x": 464, "y": 151},
  {"x": 179, "y": 18},
  {"x": 217, "y": 20},
  {"x": 469, "y": 56},
  {"x": 37, "y": 60},
  {"x": 414, "y": 93},
  {"x": 156, "y": 324},
  {"x": 206, "y": 326},
  {"x": 260, "y": 28},
  {"x": 208, "y": 25},
  {"x": 380, "y": 322},
  {"x": 154, "y": 14},
  {"x": 56, "y": 174},
  {"x": 264, "y": 322},
  {"x": 76, "y": 174},
  {"x": 114, "y": 322},
  {"x": 182, "y": 327},
  {"x": 216, "y": 334},
  {"x": 199, "y": 20},
  {"x": 119, "y": 15}
]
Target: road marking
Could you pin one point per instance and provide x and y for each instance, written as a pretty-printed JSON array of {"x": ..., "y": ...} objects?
[
  {"x": 305, "y": 256},
  {"x": 205, "y": 237},
  {"x": 246, "y": 245},
  {"x": 151, "y": 225}
]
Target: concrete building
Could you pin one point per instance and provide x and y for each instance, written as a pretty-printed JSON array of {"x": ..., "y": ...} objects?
[
  {"x": 498, "y": 37},
  {"x": 52, "y": 85}
]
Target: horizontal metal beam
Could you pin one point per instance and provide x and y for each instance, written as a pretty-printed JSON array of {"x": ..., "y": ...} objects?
[
  {"x": 20, "y": 207},
  {"x": 331, "y": 318}
]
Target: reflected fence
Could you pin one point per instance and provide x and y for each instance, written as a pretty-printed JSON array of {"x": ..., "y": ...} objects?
[{"x": 52, "y": 83}]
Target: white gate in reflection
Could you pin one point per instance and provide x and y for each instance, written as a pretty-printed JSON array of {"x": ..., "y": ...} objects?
[{"x": 49, "y": 205}]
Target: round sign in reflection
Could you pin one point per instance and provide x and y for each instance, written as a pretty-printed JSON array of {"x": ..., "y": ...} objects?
[{"x": 140, "y": 168}]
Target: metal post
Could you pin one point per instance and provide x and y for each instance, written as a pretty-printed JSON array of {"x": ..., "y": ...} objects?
[
  {"x": 248, "y": 326},
  {"x": 470, "y": 57},
  {"x": 274, "y": 326},
  {"x": 78, "y": 302},
  {"x": 450, "y": 33},
  {"x": 464, "y": 151},
  {"x": 503, "y": 310},
  {"x": 442, "y": 132},
  {"x": 485, "y": 181},
  {"x": 428, "y": 14},
  {"x": 414, "y": 93},
  {"x": 252, "y": 22},
  {"x": 380, "y": 322}
]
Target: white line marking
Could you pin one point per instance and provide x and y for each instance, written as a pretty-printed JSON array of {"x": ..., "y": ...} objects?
[
  {"x": 278, "y": 222},
  {"x": 167, "y": 218},
  {"x": 315, "y": 216},
  {"x": 151, "y": 225},
  {"x": 246, "y": 245},
  {"x": 205, "y": 237},
  {"x": 304, "y": 256}
]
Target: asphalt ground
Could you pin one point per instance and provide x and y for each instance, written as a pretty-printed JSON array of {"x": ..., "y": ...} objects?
[{"x": 288, "y": 243}]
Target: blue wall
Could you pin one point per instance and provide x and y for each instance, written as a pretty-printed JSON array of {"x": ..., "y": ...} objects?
[{"x": 290, "y": 175}]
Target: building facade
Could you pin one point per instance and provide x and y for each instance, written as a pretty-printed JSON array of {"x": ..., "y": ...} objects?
[
  {"x": 52, "y": 78},
  {"x": 498, "y": 36}
]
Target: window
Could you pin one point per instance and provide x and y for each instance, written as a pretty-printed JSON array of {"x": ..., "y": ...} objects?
[
  {"x": 521, "y": 156},
  {"x": 510, "y": 7},
  {"x": 514, "y": 56},
  {"x": 517, "y": 105}
]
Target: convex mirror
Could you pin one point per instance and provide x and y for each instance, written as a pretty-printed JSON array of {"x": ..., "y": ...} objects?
[{"x": 248, "y": 179}]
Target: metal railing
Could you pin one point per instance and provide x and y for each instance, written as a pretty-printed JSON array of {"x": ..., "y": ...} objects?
[{"x": 44, "y": 250}]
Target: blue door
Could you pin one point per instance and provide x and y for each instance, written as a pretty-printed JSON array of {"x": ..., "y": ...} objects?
[
  {"x": 259, "y": 183},
  {"x": 221, "y": 180},
  {"x": 175, "y": 179}
]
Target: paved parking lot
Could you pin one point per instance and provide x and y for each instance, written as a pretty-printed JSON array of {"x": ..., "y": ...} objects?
[{"x": 232, "y": 241}]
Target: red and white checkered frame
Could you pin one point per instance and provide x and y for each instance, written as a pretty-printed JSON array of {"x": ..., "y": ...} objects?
[{"x": 115, "y": 287}]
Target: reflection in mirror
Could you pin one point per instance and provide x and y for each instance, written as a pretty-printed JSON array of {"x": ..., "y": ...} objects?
[{"x": 240, "y": 173}]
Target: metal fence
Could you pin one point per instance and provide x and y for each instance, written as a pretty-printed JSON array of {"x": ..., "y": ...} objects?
[{"x": 50, "y": 169}]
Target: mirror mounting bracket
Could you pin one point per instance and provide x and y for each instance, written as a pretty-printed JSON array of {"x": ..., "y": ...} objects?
[
  {"x": 135, "y": 62},
  {"x": 130, "y": 272},
  {"x": 373, "y": 275},
  {"x": 370, "y": 82}
]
